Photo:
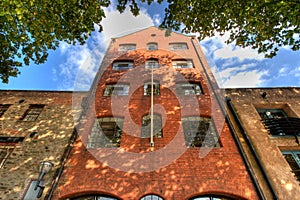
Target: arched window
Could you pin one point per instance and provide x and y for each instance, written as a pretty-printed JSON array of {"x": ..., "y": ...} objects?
[
  {"x": 151, "y": 63},
  {"x": 151, "y": 197},
  {"x": 146, "y": 126},
  {"x": 210, "y": 197},
  {"x": 94, "y": 197},
  {"x": 152, "y": 46}
]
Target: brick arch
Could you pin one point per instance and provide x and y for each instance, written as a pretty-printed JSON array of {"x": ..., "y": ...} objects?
[
  {"x": 88, "y": 192},
  {"x": 217, "y": 194}
]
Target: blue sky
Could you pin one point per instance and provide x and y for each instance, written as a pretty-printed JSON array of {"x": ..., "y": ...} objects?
[{"x": 73, "y": 67}]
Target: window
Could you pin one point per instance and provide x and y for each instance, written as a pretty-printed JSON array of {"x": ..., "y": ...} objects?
[
  {"x": 106, "y": 132},
  {"x": 146, "y": 126},
  {"x": 116, "y": 90},
  {"x": 293, "y": 158},
  {"x": 199, "y": 132},
  {"x": 210, "y": 197},
  {"x": 182, "y": 64},
  {"x": 94, "y": 197},
  {"x": 122, "y": 65},
  {"x": 3, "y": 109},
  {"x": 151, "y": 197},
  {"x": 127, "y": 47},
  {"x": 7, "y": 145},
  {"x": 188, "y": 89},
  {"x": 151, "y": 63},
  {"x": 178, "y": 46},
  {"x": 33, "y": 112},
  {"x": 278, "y": 123},
  {"x": 147, "y": 88},
  {"x": 152, "y": 46}
]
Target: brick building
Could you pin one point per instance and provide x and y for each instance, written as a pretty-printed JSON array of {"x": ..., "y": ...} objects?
[
  {"x": 35, "y": 126},
  {"x": 180, "y": 148},
  {"x": 198, "y": 142},
  {"x": 267, "y": 121}
]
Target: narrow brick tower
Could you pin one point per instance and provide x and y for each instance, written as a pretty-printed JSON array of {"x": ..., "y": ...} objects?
[{"x": 152, "y": 128}]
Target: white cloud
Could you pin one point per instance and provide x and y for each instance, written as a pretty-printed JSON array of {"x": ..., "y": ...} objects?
[
  {"x": 82, "y": 62},
  {"x": 157, "y": 19},
  {"x": 116, "y": 24},
  {"x": 245, "y": 79}
]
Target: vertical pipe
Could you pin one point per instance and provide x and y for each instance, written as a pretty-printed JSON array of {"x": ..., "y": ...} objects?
[{"x": 151, "y": 131}]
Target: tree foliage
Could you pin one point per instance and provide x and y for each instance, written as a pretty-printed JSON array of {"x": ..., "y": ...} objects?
[{"x": 30, "y": 27}]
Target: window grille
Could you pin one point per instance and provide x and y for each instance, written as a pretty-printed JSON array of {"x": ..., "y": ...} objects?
[
  {"x": 146, "y": 127},
  {"x": 199, "y": 132},
  {"x": 33, "y": 112}
]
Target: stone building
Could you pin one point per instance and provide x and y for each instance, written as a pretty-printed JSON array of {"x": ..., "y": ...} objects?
[
  {"x": 153, "y": 128},
  {"x": 268, "y": 124},
  {"x": 35, "y": 126}
]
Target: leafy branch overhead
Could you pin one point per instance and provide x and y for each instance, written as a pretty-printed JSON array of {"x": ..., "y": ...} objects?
[{"x": 30, "y": 28}]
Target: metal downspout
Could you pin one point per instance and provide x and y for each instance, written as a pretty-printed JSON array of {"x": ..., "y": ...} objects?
[
  {"x": 220, "y": 102},
  {"x": 245, "y": 135}
]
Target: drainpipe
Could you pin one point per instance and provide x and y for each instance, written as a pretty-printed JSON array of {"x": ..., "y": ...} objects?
[
  {"x": 249, "y": 143},
  {"x": 63, "y": 162},
  {"x": 239, "y": 145}
]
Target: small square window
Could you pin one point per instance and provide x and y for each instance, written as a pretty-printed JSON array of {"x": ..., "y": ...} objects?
[
  {"x": 199, "y": 132},
  {"x": 178, "y": 46},
  {"x": 122, "y": 65},
  {"x": 106, "y": 133},
  {"x": 127, "y": 47},
  {"x": 293, "y": 159},
  {"x": 147, "y": 88},
  {"x": 146, "y": 126},
  {"x": 188, "y": 89},
  {"x": 152, "y": 63},
  {"x": 3, "y": 109},
  {"x": 116, "y": 90},
  {"x": 182, "y": 64},
  {"x": 33, "y": 112}
]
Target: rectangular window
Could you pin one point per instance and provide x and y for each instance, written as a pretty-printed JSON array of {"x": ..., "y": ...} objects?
[
  {"x": 188, "y": 89},
  {"x": 293, "y": 158},
  {"x": 182, "y": 64},
  {"x": 278, "y": 123},
  {"x": 7, "y": 145},
  {"x": 3, "y": 109},
  {"x": 127, "y": 47},
  {"x": 32, "y": 112},
  {"x": 199, "y": 132},
  {"x": 116, "y": 90},
  {"x": 151, "y": 64},
  {"x": 147, "y": 89},
  {"x": 106, "y": 133},
  {"x": 146, "y": 126},
  {"x": 122, "y": 65},
  {"x": 178, "y": 46}
]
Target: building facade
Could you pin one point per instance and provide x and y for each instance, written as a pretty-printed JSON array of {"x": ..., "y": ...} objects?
[
  {"x": 269, "y": 124},
  {"x": 153, "y": 128},
  {"x": 35, "y": 126}
]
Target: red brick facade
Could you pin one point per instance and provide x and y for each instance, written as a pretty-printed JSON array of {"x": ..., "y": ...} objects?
[{"x": 169, "y": 169}]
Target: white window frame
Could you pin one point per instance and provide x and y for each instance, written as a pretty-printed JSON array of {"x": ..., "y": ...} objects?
[
  {"x": 178, "y": 46},
  {"x": 156, "y": 88},
  {"x": 188, "y": 89},
  {"x": 116, "y": 65},
  {"x": 152, "y": 46},
  {"x": 116, "y": 90},
  {"x": 127, "y": 47},
  {"x": 151, "y": 63},
  {"x": 182, "y": 64}
]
